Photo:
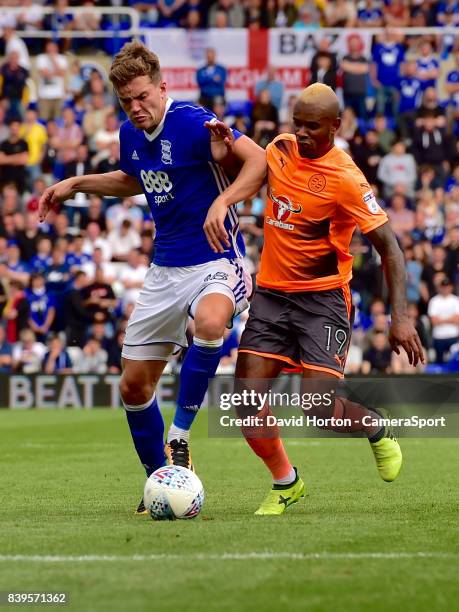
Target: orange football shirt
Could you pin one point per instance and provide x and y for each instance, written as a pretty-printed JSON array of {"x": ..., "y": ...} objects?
[{"x": 312, "y": 211}]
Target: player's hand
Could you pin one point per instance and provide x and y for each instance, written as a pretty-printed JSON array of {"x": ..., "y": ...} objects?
[
  {"x": 221, "y": 139},
  {"x": 402, "y": 333},
  {"x": 54, "y": 195},
  {"x": 214, "y": 226}
]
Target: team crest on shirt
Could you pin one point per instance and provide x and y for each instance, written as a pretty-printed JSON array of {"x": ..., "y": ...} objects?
[
  {"x": 317, "y": 183},
  {"x": 283, "y": 207},
  {"x": 166, "y": 151}
]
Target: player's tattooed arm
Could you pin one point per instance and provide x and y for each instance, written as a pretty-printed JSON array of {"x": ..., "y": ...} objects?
[
  {"x": 402, "y": 332},
  {"x": 116, "y": 183}
]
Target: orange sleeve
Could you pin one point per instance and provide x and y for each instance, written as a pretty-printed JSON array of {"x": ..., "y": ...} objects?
[{"x": 358, "y": 200}]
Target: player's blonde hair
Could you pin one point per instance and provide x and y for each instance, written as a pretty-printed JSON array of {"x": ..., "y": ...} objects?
[
  {"x": 317, "y": 91},
  {"x": 134, "y": 60}
]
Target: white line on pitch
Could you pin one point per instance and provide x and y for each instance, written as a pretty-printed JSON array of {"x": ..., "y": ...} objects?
[{"x": 228, "y": 557}]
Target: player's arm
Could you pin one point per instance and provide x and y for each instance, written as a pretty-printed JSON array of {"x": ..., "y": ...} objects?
[
  {"x": 402, "y": 331},
  {"x": 252, "y": 161},
  {"x": 117, "y": 183}
]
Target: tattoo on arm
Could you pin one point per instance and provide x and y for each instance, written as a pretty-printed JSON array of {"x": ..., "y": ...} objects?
[{"x": 393, "y": 262}]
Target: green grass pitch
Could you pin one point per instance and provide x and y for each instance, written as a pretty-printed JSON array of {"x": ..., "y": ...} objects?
[{"x": 70, "y": 482}]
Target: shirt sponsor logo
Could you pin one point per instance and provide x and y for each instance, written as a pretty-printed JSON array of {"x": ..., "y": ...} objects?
[
  {"x": 283, "y": 207},
  {"x": 370, "y": 200}
]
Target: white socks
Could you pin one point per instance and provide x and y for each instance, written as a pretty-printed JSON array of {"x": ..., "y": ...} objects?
[{"x": 175, "y": 433}]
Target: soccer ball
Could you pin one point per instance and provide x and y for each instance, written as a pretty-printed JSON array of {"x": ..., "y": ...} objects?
[{"x": 173, "y": 492}]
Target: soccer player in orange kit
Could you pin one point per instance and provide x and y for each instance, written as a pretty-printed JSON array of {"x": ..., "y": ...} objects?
[{"x": 301, "y": 312}]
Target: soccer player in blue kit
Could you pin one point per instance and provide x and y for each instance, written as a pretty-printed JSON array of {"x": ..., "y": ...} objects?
[{"x": 169, "y": 154}]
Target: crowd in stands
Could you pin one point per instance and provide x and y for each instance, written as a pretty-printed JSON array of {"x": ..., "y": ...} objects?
[{"x": 67, "y": 286}]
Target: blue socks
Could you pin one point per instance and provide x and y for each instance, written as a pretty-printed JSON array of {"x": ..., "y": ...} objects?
[
  {"x": 147, "y": 430},
  {"x": 200, "y": 364}
]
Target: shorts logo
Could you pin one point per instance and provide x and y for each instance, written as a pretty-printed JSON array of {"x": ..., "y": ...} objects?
[
  {"x": 166, "y": 151},
  {"x": 283, "y": 206},
  {"x": 317, "y": 183},
  {"x": 370, "y": 200},
  {"x": 217, "y": 276}
]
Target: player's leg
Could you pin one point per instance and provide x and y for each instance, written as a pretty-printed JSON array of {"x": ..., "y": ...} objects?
[
  {"x": 324, "y": 323},
  {"x": 255, "y": 372},
  {"x": 219, "y": 291},
  {"x": 211, "y": 316},
  {"x": 137, "y": 389}
]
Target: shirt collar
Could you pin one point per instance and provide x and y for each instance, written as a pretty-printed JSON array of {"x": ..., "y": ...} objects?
[{"x": 159, "y": 128}]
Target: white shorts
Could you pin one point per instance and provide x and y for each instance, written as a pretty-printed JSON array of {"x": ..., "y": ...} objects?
[{"x": 157, "y": 326}]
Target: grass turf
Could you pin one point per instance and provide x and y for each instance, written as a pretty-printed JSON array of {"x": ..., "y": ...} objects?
[{"x": 70, "y": 482}]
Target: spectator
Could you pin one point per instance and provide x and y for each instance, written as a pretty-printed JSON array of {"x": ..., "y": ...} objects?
[
  {"x": 29, "y": 236},
  {"x": 15, "y": 311},
  {"x": 370, "y": 15},
  {"x": 76, "y": 256},
  {"x": 98, "y": 261},
  {"x": 413, "y": 276},
  {"x": 14, "y": 155},
  {"x": 452, "y": 81},
  {"x": 324, "y": 65},
  {"x": 80, "y": 165},
  {"x": 132, "y": 276},
  {"x": 386, "y": 136},
  {"x": 211, "y": 80},
  {"x": 14, "y": 43},
  {"x": 273, "y": 85},
  {"x": 92, "y": 359},
  {"x": 388, "y": 54},
  {"x": 87, "y": 20},
  {"x": 436, "y": 266},
  {"x": 397, "y": 168},
  {"x": 15, "y": 268},
  {"x": 13, "y": 82},
  {"x": 6, "y": 360},
  {"x": 117, "y": 213},
  {"x": 114, "y": 353},
  {"x": 430, "y": 107},
  {"x": 401, "y": 218},
  {"x": 367, "y": 154},
  {"x": 57, "y": 359},
  {"x": 443, "y": 311},
  {"x": 51, "y": 67},
  {"x": 265, "y": 119},
  {"x": 396, "y": 13},
  {"x": 410, "y": 98},
  {"x": 28, "y": 353},
  {"x": 36, "y": 137},
  {"x": 428, "y": 66},
  {"x": 57, "y": 274},
  {"x": 68, "y": 138},
  {"x": 77, "y": 316},
  {"x": 94, "y": 240},
  {"x": 42, "y": 260},
  {"x": 281, "y": 15},
  {"x": 308, "y": 17},
  {"x": 108, "y": 135},
  {"x": 433, "y": 147},
  {"x": 340, "y": 14},
  {"x": 355, "y": 68},
  {"x": 60, "y": 20},
  {"x": 377, "y": 359},
  {"x": 122, "y": 240},
  {"x": 95, "y": 116},
  {"x": 42, "y": 307},
  {"x": 232, "y": 9},
  {"x": 94, "y": 214},
  {"x": 99, "y": 298},
  {"x": 112, "y": 161}
]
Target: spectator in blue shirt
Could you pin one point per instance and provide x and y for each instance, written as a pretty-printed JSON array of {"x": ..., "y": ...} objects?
[
  {"x": 387, "y": 58},
  {"x": 211, "y": 80},
  {"x": 410, "y": 98},
  {"x": 275, "y": 87},
  {"x": 16, "y": 269},
  {"x": 42, "y": 307},
  {"x": 6, "y": 359},
  {"x": 370, "y": 16},
  {"x": 57, "y": 360},
  {"x": 42, "y": 260},
  {"x": 428, "y": 66},
  {"x": 452, "y": 82}
]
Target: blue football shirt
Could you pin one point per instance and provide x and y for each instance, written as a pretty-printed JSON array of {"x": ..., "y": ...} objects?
[{"x": 180, "y": 180}]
